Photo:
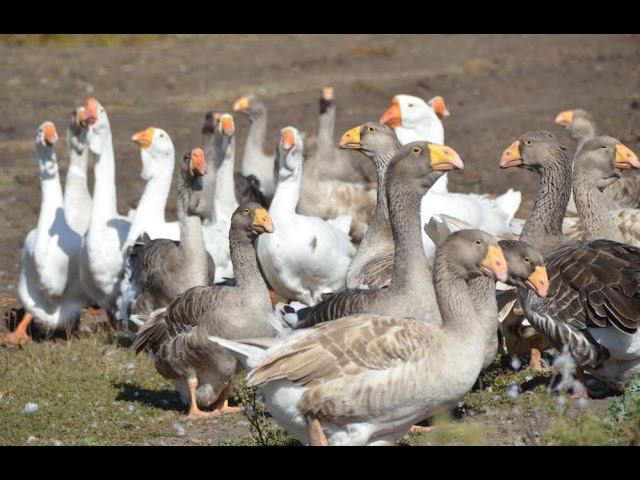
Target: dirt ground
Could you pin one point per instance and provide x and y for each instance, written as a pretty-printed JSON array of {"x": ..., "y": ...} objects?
[{"x": 495, "y": 86}]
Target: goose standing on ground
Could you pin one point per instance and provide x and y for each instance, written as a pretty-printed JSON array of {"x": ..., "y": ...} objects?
[
  {"x": 48, "y": 287},
  {"x": 623, "y": 194},
  {"x": 158, "y": 157},
  {"x": 307, "y": 256},
  {"x": 254, "y": 160},
  {"x": 594, "y": 310},
  {"x": 177, "y": 335},
  {"x": 216, "y": 229},
  {"x": 412, "y": 171},
  {"x": 157, "y": 271},
  {"x": 101, "y": 258},
  {"x": 366, "y": 379},
  {"x": 77, "y": 199},
  {"x": 413, "y": 119}
]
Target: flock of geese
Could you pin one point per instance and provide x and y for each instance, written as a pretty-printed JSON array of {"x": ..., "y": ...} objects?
[{"x": 359, "y": 303}]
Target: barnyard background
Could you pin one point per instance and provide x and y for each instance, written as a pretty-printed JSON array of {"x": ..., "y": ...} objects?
[{"x": 91, "y": 390}]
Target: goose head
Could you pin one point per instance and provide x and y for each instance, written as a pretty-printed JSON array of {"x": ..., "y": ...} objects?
[
  {"x": 95, "y": 118},
  {"x": 418, "y": 165},
  {"x": 46, "y": 138},
  {"x": 192, "y": 169},
  {"x": 372, "y": 139},
  {"x": 252, "y": 219},
  {"x": 439, "y": 107},
  {"x": 578, "y": 122},
  {"x": 211, "y": 119},
  {"x": 412, "y": 113},
  {"x": 602, "y": 160},
  {"x": 76, "y": 133},
  {"x": 156, "y": 151},
  {"x": 224, "y": 129},
  {"x": 251, "y": 106},
  {"x": 472, "y": 253},
  {"x": 290, "y": 150},
  {"x": 537, "y": 150},
  {"x": 525, "y": 266},
  {"x": 327, "y": 99}
]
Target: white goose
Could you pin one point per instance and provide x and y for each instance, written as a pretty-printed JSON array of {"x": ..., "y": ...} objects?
[
  {"x": 216, "y": 230},
  {"x": 49, "y": 288},
  {"x": 414, "y": 119},
  {"x": 305, "y": 256},
  {"x": 158, "y": 157},
  {"x": 77, "y": 199},
  {"x": 101, "y": 258}
]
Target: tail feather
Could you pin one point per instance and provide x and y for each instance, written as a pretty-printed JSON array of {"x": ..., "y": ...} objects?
[
  {"x": 153, "y": 332},
  {"x": 249, "y": 355}
]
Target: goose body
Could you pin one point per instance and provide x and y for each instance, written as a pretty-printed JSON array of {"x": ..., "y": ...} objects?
[
  {"x": 306, "y": 256},
  {"x": 48, "y": 286},
  {"x": 176, "y": 336}
]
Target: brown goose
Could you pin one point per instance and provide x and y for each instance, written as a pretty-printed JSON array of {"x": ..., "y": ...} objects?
[
  {"x": 525, "y": 269},
  {"x": 365, "y": 379},
  {"x": 177, "y": 334},
  {"x": 625, "y": 193},
  {"x": 372, "y": 265},
  {"x": 411, "y": 172},
  {"x": 593, "y": 308},
  {"x": 159, "y": 270},
  {"x": 331, "y": 162},
  {"x": 254, "y": 160}
]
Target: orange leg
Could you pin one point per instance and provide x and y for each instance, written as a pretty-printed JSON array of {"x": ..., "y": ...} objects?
[
  {"x": 222, "y": 403},
  {"x": 317, "y": 438},
  {"x": 420, "y": 429},
  {"x": 534, "y": 363},
  {"x": 19, "y": 335},
  {"x": 194, "y": 411}
]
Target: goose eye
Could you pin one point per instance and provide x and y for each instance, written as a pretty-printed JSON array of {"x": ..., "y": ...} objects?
[
  {"x": 527, "y": 260},
  {"x": 478, "y": 242},
  {"x": 604, "y": 146},
  {"x": 416, "y": 149},
  {"x": 410, "y": 105},
  {"x": 527, "y": 142},
  {"x": 247, "y": 211},
  {"x": 372, "y": 129}
]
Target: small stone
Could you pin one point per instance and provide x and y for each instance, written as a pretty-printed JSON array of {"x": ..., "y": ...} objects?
[
  {"x": 31, "y": 438},
  {"x": 179, "y": 429},
  {"x": 90, "y": 88},
  {"x": 30, "y": 408},
  {"x": 515, "y": 363}
]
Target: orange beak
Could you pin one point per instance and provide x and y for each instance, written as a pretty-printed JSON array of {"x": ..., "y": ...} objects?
[
  {"x": 351, "y": 139},
  {"x": 511, "y": 156},
  {"x": 625, "y": 158},
  {"x": 440, "y": 107},
  {"x": 327, "y": 93},
  {"x": 565, "y": 118},
  {"x": 393, "y": 116},
  {"x": 288, "y": 139},
  {"x": 538, "y": 281},
  {"x": 144, "y": 138},
  {"x": 262, "y": 222},
  {"x": 444, "y": 158},
  {"x": 197, "y": 163},
  {"x": 227, "y": 125},
  {"x": 50, "y": 134},
  {"x": 241, "y": 105},
  {"x": 90, "y": 111},
  {"x": 494, "y": 264},
  {"x": 80, "y": 116}
]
